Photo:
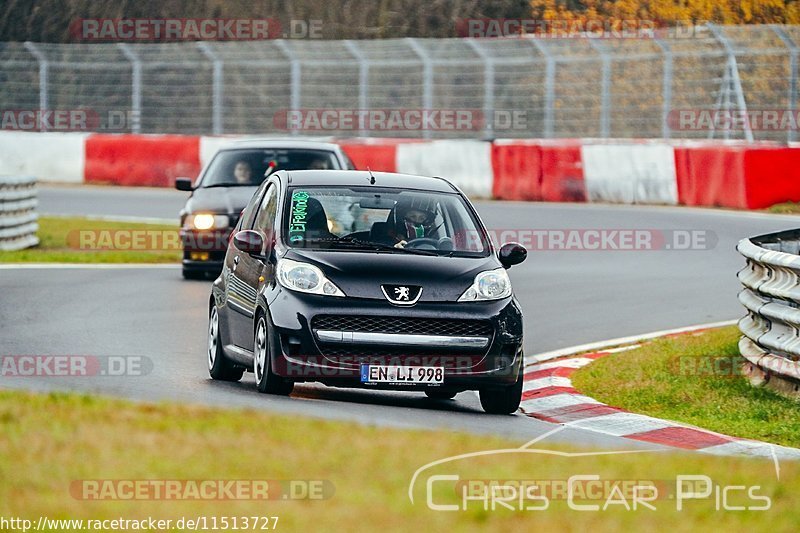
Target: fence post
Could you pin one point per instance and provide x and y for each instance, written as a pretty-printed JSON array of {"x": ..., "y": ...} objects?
[
  {"x": 136, "y": 87},
  {"x": 488, "y": 87},
  {"x": 427, "y": 87},
  {"x": 790, "y": 44},
  {"x": 605, "y": 89},
  {"x": 732, "y": 76},
  {"x": 216, "y": 87},
  {"x": 44, "y": 69},
  {"x": 549, "y": 88},
  {"x": 294, "y": 94},
  {"x": 363, "y": 84},
  {"x": 666, "y": 88}
]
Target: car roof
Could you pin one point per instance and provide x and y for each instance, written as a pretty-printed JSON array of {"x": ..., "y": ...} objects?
[
  {"x": 280, "y": 143},
  {"x": 362, "y": 178}
]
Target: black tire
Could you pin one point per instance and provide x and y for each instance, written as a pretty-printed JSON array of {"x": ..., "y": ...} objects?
[
  {"x": 505, "y": 400},
  {"x": 219, "y": 366},
  {"x": 263, "y": 347},
  {"x": 440, "y": 394}
]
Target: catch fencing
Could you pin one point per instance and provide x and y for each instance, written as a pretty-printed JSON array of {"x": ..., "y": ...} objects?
[{"x": 520, "y": 87}]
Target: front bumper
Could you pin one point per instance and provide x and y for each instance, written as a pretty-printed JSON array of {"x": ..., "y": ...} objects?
[
  {"x": 204, "y": 251},
  {"x": 335, "y": 356}
]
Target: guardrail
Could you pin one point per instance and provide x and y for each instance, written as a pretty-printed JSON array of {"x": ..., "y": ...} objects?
[
  {"x": 18, "y": 217},
  {"x": 771, "y": 296}
]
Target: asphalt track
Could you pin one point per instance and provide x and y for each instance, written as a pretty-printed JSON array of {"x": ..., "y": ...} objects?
[{"x": 568, "y": 297}]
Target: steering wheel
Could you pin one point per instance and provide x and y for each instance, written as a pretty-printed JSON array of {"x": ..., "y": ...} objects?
[{"x": 423, "y": 243}]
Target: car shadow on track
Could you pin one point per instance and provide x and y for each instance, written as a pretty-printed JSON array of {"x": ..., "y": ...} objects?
[{"x": 317, "y": 391}]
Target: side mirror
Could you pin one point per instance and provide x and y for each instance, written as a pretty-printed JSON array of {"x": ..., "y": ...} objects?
[
  {"x": 249, "y": 241},
  {"x": 511, "y": 254},
  {"x": 183, "y": 184}
]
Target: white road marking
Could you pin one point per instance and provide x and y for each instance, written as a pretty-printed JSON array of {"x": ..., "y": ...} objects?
[{"x": 87, "y": 266}]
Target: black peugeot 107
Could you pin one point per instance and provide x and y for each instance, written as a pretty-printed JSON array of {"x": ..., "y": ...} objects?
[{"x": 375, "y": 280}]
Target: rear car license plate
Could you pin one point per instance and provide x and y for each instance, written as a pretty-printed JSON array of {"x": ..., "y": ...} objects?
[{"x": 402, "y": 374}]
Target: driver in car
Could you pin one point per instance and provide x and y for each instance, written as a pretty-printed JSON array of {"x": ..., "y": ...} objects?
[
  {"x": 414, "y": 219},
  {"x": 243, "y": 173}
]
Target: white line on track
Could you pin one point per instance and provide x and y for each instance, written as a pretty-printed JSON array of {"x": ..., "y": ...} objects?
[
  {"x": 87, "y": 266},
  {"x": 117, "y": 218},
  {"x": 622, "y": 340}
]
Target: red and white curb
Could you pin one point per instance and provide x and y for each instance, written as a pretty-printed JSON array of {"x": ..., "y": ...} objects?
[{"x": 548, "y": 395}]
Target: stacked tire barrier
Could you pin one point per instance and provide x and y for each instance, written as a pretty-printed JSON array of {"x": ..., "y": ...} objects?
[
  {"x": 771, "y": 296},
  {"x": 18, "y": 218}
]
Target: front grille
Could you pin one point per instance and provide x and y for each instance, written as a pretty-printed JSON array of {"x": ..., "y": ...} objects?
[
  {"x": 404, "y": 325},
  {"x": 365, "y": 353}
]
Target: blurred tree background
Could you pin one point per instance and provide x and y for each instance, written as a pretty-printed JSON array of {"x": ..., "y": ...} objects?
[{"x": 49, "y": 20}]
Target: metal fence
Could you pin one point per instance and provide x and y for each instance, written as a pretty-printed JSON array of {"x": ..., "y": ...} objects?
[
  {"x": 570, "y": 87},
  {"x": 771, "y": 296}
]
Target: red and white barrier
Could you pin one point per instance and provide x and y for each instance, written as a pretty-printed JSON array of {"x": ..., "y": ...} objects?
[
  {"x": 709, "y": 173},
  {"x": 48, "y": 156}
]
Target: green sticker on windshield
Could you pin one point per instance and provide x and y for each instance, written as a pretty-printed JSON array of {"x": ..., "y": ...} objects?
[{"x": 297, "y": 216}]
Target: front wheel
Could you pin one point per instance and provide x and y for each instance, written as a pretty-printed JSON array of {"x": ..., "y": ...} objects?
[
  {"x": 219, "y": 367},
  {"x": 266, "y": 381},
  {"x": 505, "y": 400}
]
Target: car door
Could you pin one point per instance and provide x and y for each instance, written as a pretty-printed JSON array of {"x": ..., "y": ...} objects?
[
  {"x": 237, "y": 312},
  {"x": 247, "y": 271}
]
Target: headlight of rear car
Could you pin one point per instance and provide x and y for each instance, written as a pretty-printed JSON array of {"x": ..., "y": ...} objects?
[
  {"x": 489, "y": 285},
  {"x": 303, "y": 277},
  {"x": 204, "y": 221}
]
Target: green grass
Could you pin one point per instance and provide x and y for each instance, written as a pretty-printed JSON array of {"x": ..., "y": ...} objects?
[
  {"x": 50, "y": 441},
  {"x": 675, "y": 378},
  {"x": 785, "y": 208},
  {"x": 60, "y": 242}
]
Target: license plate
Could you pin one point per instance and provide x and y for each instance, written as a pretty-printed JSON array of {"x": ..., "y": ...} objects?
[{"x": 401, "y": 374}]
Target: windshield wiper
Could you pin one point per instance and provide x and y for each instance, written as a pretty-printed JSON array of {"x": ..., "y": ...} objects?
[
  {"x": 387, "y": 247},
  {"x": 351, "y": 242},
  {"x": 213, "y": 185}
]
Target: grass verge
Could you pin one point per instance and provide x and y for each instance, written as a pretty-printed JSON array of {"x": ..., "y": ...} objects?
[
  {"x": 694, "y": 379},
  {"x": 52, "y": 441},
  {"x": 785, "y": 208},
  {"x": 60, "y": 242}
]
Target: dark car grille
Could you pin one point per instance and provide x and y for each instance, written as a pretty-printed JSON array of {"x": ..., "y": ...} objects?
[
  {"x": 402, "y": 325},
  {"x": 407, "y": 325}
]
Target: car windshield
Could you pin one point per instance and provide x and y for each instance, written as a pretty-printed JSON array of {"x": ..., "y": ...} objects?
[
  {"x": 386, "y": 219},
  {"x": 231, "y": 168}
]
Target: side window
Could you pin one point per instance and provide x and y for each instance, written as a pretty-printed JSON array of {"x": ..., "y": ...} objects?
[
  {"x": 265, "y": 221},
  {"x": 250, "y": 210},
  {"x": 348, "y": 162}
]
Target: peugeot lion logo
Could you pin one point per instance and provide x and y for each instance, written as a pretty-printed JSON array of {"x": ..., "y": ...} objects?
[{"x": 402, "y": 294}]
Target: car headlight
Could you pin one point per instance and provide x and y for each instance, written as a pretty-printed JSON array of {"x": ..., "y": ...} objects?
[
  {"x": 303, "y": 277},
  {"x": 204, "y": 221},
  {"x": 488, "y": 285}
]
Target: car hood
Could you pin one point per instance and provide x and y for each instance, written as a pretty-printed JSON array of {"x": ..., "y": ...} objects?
[
  {"x": 361, "y": 274},
  {"x": 226, "y": 200}
]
